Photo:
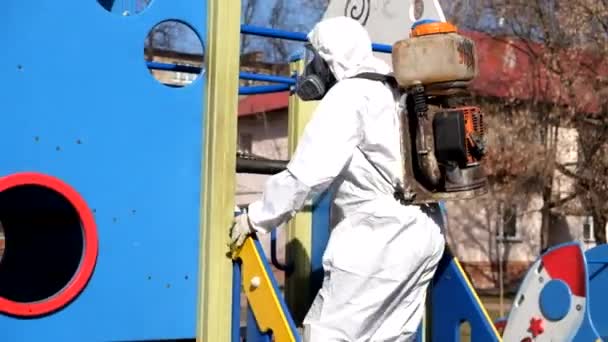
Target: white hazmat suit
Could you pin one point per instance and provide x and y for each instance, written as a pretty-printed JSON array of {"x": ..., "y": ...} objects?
[{"x": 381, "y": 254}]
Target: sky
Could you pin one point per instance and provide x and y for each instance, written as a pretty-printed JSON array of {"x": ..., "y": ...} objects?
[
  {"x": 301, "y": 18},
  {"x": 297, "y": 16}
]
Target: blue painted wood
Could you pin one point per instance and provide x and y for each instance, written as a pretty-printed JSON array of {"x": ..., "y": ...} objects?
[
  {"x": 319, "y": 238},
  {"x": 588, "y": 330},
  {"x": 454, "y": 302},
  {"x": 130, "y": 145},
  {"x": 598, "y": 283},
  {"x": 555, "y": 300},
  {"x": 236, "y": 301}
]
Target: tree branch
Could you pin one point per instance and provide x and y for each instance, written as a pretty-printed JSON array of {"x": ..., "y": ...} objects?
[{"x": 562, "y": 201}]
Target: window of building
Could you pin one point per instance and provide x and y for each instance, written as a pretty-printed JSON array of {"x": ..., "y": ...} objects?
[
  {"x": 588, "y": 235},
  {"x": 508, "y": 223},
  {"x": 245, "y": 142},
  {"x": 184, "y": 77}
]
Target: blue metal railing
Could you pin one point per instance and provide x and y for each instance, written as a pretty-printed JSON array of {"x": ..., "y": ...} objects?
[
  {"x": 267, "y": 78},
  {"x": 273, "y": 33},
  {"x": 284, "y": 82},
  {"x": 263, "y": 89},
  {"x": 296, "y": 36},
  {"x": 242, "y": 75},
  {"x": 273, "y": 254},
  {"x": 174, "y": 67}
]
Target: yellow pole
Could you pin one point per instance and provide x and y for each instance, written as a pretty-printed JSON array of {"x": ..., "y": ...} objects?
[
  {"x": 219, "y": 164},
  {"x": 299, "y": 231}
]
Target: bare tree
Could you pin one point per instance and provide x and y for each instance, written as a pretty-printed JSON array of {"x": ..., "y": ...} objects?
[
  {"x": 284, "y": 15},
  {"x": 278, "y": 19},
  {"x": 565, "y": 44},
  {"x": 166, "y": 35},
  {"x": 248, "y": 8}
]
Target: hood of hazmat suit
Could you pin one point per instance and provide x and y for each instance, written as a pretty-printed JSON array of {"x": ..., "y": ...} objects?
[
  {"x": 381, "y": 254},
  {"x": 348, "y": 51}
]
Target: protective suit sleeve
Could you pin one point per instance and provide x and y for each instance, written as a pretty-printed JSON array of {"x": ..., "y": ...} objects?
[
  {"x": 326, "y": 146},
  {"x": 283, "y": 196}
]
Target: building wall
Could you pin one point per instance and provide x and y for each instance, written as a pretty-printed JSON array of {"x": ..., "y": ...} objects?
[
  {"x": 473, "y": 234},
  {"x": 567, "y": 154},
  {"x": 263, "y": 135}
]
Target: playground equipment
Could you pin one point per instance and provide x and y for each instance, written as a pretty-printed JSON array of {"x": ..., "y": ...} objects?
[
  {"x": 115, "y": 200},
  {"x": 554, "y": 299},
  {"x": 553, "y": 303},
  {"x": 111, "y": 181}
]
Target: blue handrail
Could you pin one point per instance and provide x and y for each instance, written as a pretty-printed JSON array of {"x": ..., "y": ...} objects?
[
  {"x": 273, "y": 33},
  {"x": 296, "y": 36},
  {"x": 273, "y": 254},
  {"x": 242, "y": 75},
  {"x": 261, "y": 32},
  {"x": 173, "y": 67},
  {"x": 267, "y": 78},
  {"x": 264, "y": 89}
]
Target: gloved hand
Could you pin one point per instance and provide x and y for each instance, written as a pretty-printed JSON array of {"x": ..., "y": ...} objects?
[{"x": 240, "y": 230}]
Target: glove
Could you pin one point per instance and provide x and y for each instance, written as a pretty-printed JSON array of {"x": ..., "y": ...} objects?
[{"x": 240, "y": 230}]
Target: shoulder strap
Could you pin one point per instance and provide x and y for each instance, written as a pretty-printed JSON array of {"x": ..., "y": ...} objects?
[
  {"x": 399, "y": 193},
  {"x": 375, "y": 76},
  {"x": 388, "y": 80}
]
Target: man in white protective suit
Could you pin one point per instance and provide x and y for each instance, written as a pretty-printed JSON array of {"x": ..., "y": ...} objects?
[{"x": 382, "y": 253}]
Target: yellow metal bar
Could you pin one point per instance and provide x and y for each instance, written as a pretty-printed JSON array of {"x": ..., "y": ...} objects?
[
  {"x": 218, "y": 185},
  {"x": 261, "y": 294},
  {"x": 299, "y": 231}
]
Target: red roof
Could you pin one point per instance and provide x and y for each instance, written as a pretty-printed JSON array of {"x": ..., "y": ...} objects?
[
  {"x": 508, "y": 68},
  {"x": 254, "y": 104},
  {"x": 513, "y": 68}
]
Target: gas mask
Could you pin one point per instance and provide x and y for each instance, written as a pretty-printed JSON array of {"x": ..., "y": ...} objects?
[{"x": 316, "y": 79}]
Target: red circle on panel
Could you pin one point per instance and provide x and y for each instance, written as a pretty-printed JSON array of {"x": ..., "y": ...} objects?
[{"x": 90, "y": 246}]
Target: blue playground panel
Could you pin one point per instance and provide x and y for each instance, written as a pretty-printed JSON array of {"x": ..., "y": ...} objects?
[
  {"x": 320, "y": 238},
  {"x": 79, "y": 104},
  {"x": 597, "y": 268}
]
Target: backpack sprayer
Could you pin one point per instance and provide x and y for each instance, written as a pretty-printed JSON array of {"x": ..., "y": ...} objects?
[{"x": 443, "y": 146}]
